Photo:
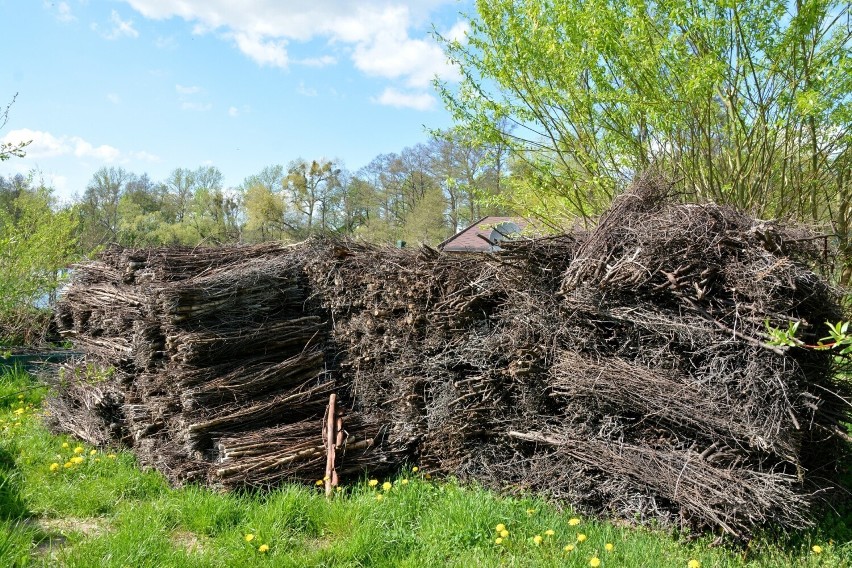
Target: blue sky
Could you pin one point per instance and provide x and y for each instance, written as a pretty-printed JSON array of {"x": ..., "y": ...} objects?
[{"x": 153, "y": 85}]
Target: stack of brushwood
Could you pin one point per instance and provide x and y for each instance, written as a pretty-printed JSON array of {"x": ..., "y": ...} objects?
[
  {"x": 201, "y": 360},
  {"x": 625, "y": 370}
]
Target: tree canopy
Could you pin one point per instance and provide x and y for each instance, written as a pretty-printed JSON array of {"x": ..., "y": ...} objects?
[{"x": 745, "y": 103}]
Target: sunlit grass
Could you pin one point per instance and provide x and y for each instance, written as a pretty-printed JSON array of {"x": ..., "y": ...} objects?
[{"x": 103, "y": 510}]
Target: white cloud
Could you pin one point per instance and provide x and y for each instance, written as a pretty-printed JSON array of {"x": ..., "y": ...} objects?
[
  {"x": 196, "y": 107},
  {"x": 46, "y": 145},
  {"x": 262, "y": 51},
  {"x": 42, "y": 144},
  {"x": 306, "y": 91},
  {"x": 113, "y": 98},
  {"x": 379, "y": 35},
  {"x": 84, "y": 149},
  {"x": 120, "y": 28},
  {"x": 184, "y": 90},
  {"x": 234, "y": 112},
  {"x": 399, "y": 99},
  {"x": 61, "y": 11},
  {"x": 165, "y": 42},
  {"x": 143, "y": 156},
  {"x": 322, "y": 61}
]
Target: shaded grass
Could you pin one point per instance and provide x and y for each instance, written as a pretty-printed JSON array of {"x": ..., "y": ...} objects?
[{"x": 112, "y": 513}]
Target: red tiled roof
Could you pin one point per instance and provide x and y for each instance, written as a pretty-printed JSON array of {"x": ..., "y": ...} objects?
[{"x": 474, "y": 238}]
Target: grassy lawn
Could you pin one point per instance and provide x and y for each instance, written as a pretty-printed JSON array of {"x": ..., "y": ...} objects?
[{"x": 63, "y": 503}]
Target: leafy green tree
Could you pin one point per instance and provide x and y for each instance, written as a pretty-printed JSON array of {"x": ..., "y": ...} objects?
[
  {"x": 37, "y": 241},
  {"x": 427, "y": 221},
  {"x": 312, "y": 189},
  {"x": 746, "y": 103},
  {"x": 264, "y": 210}
]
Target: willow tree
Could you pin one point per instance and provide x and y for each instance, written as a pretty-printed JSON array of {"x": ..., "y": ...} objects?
[{"x": 745, "y": 103}]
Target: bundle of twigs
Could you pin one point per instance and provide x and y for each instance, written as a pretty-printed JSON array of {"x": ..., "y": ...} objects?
[
  {"x": 626, "y": 369},
  {"x": 298, "y": 451}
]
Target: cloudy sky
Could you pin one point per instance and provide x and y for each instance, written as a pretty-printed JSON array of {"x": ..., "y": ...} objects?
[{"x": 153, "y": 85}]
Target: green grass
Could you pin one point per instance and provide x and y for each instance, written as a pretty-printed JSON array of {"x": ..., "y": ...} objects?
[{"x": 106, "y": 511}]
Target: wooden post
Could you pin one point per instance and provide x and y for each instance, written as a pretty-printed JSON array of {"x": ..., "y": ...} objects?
[{"x": 330, "y": 441}]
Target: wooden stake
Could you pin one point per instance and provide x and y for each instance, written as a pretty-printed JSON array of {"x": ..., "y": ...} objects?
[{"x": 330, "y": 441}]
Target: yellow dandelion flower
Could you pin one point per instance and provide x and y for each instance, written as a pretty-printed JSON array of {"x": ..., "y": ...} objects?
[
  {"x": 263, "y": 548},
  {"x": 573, "y": 522},
  {"x": 373, "y": 482},
  {"x": 549, "y": 532},
  {"x": 387, "y": 485},
  {"x": 77, "y": 459},
  {"x": 581, "y": 537},
  {"x": 693, "y": 564},
  {"x": 78, "y": 450},
  {"x": 379, "y": 497},
  {"x": 817, "y": 549},
  {"x": 530, "y": 512},
  {"x": 504, "y": 533},
  {"x": 609, "y": 546},
  {"x": 415, "y": 469},
  {"x": 19, "y": 411},
  {"x": 64, "y": 444},
  {"x": 97, "y": 460},
  {"x": 68, "y": 464},
  {"x": 326, "y": 478},
  {"x": 500, "y": 528},
  {"x": 54, "y": 466},
  {"x": 537, "y": 539},
  {"x": 428, "y": 476},
  {"x": 92, "y": 452},
  {"x": 111, "y": 456},
  {"x": 568, "y": 547},
  {"x": 498, "y": 540},
  {"x": 404, "y": 481},
  {"x": 20, "y": 397},
  {"x": 320, "y": 482},
  {"x": 249, "y": 537},
  {"x": 595, "y": 562}
]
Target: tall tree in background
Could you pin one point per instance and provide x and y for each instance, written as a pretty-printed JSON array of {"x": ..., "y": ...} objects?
[
  {"x": 746, "y": 103},
  {"x": 312, "y": 190},
  {"x": 99, "y": 207}
]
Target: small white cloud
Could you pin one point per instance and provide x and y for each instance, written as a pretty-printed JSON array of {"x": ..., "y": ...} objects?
[
  {"x": 120, "y": 28},
  {"x": 184, "y": 90},
  {"x": 323, "y": 61},
  {"x": 196, "y": 107},
  {"x": 113, "y": 98},
  {"x": 234, "y": 112},
  {"x": 61, "y": 11},
  {"x": 306, "y": 91},
  {"x": 143, "y": 156},
  {"x": 417, "y": 101},
  {"x": 263, "y": 52},
  {"x": 165, "y": 42},
  {"x": 84, "y": 149}
]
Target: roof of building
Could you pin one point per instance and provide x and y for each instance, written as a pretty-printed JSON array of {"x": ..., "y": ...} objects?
[{"x": 479, "y": 236}]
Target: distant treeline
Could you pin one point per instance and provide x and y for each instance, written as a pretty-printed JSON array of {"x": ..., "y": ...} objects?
[{"x": 422, "y": 194}]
